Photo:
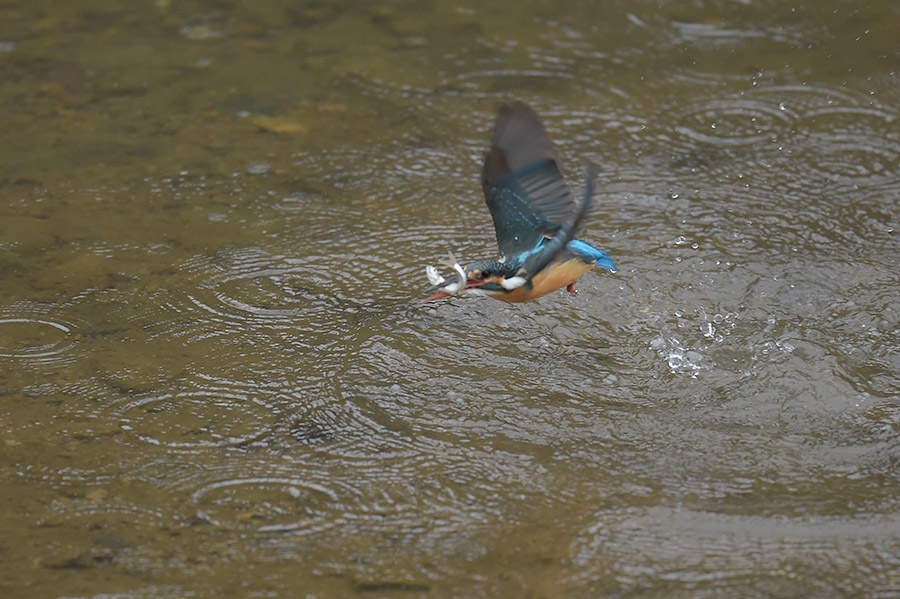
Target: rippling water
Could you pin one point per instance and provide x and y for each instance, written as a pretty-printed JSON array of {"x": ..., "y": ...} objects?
[{"x": 218, "y": 378}]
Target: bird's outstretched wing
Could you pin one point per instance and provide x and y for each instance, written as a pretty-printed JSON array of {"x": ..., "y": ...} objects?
[{"x": 533, "y": 209}]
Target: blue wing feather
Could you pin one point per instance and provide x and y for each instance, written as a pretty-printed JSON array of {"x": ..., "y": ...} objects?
[
  {"x": 589, "y": 253},
  {"x": 535, "y": 213},
  {"x": 519, "y": 227}
]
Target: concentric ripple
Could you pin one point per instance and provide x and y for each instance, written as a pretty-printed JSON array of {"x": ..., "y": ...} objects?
[
  {"x": 198, "y": 418},
  {"x": 267, "y": 504},
  {"x": 31, "y": 335},
  {"x": 870, "y": 116},
  {"x": 96, "y": 502},
  {"x": 249, "y": 306},
  {"x": 800, "y": 100},
  {"x": 733, "y": 122},
  {"x": 843, "y": 139},
  {"x": 250, "y": 284},
  {"x": 791, "y": 137},
  {"x": 850, "y": 161}
]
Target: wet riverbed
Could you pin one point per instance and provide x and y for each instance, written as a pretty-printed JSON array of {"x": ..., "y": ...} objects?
[{"x": 217, "y": 377}]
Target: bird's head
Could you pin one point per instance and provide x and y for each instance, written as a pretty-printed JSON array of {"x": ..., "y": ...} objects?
[{"x": 483, "y": 277}]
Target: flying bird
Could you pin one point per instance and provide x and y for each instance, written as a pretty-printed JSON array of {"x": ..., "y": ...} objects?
[{"x": 535, "y": 218}]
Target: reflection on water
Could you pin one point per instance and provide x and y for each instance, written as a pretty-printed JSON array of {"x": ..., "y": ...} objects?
[{"x": 217, "y": 372}]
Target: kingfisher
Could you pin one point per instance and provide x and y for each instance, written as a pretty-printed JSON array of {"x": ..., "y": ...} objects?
[{"x": 535, "y": 218}]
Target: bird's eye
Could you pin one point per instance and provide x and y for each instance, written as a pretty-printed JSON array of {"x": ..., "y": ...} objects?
[{"x": 485, "y": 274}]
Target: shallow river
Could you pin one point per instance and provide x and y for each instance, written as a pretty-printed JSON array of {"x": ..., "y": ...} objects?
[{"x": 218, "y": 379}]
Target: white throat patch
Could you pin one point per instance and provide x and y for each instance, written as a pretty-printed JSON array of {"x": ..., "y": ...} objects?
[{"x": 513, "y": 282}]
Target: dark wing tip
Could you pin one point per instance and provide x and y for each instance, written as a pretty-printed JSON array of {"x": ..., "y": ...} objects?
[
  {"x": 495, "y": 165},
  {"x": 520, "y": 135}
]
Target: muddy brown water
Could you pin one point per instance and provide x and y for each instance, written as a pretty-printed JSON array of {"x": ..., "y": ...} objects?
[{"x": 217, "y": 378}]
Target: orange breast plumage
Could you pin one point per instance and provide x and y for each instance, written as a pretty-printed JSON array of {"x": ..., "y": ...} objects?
[{"x": 553, "y": 277}]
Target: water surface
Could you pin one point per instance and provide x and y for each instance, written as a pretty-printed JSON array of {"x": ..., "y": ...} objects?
[{"x": 218, "y": 378}]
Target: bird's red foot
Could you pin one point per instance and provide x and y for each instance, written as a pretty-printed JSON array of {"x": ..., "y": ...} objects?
[{"x": 571, "y": 288}]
